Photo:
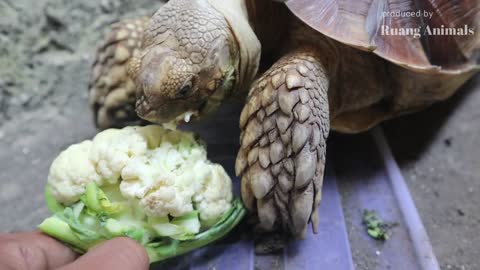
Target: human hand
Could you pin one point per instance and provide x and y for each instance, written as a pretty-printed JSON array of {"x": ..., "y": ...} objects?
[{"x": 36, "y": 251}]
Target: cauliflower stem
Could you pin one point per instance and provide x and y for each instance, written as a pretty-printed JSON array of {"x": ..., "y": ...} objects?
[
  {"x": 159, "y": 252},
  {"x": 102, "y": 214}
]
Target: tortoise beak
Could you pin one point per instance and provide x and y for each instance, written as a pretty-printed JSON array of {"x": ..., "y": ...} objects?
[
  {"x": 165, "y": 112},
  {"x": 158, "y": 112}
]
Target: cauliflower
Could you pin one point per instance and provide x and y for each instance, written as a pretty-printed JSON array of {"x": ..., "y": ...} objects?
[
  {"x": 212, "y": 201},
  {"x": 113, "y": 148},
  {"x": 144, "y": 183},
  {"x": 71, "y": 171},
  {"x": 100, "y": 161},
  {"x": 173, "y": 177}
]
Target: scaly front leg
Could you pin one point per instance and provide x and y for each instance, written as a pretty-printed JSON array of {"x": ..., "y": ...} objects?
[{"x": 285, "y": 125}]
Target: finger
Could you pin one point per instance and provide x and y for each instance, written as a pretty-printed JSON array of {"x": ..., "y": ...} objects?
[
  {"x": 33, "y": 251},
  {"x": 119, "y": 254},
  {"x": 56, "y": 253}
]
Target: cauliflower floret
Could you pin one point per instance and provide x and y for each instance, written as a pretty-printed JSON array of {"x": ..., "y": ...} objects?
[
  {"x": 145, "y": 179},
  {"x": 138, "y": 177},
  {"x": 113, "y": 148},
  {"x": 143, "y": 173},
  {"x": 167, "y": 200},
  {"x": 165, "y": 191},
  {"x": 215, "y": 196},
  {"x": 71, "y": 171},
  {"x": 167, "y": 177}
]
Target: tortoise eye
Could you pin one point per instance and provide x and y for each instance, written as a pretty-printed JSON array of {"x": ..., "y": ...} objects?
[{"x": 185, "y": 90}]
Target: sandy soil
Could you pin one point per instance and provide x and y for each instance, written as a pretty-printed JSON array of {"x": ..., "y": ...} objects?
[{"x": 46, "y": 47}]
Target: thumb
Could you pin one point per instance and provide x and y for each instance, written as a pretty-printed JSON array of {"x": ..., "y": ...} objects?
[{"x": 119, "y": 254}]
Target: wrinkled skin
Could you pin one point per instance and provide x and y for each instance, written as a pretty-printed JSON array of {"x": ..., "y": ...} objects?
[
  {"x": 187, "y": 56},
  {"x": 190, "y": 59}
]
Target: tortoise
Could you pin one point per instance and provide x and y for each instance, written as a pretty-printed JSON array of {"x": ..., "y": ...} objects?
[{"x": 302, "y": 67}]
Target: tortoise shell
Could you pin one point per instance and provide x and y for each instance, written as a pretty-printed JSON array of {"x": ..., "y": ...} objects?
[
  {"x": 448, "y": 39},
  {"x": 408, "y": 72}
]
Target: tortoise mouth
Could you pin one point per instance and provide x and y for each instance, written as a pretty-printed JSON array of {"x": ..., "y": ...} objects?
[{"x": 170, "y": 111}]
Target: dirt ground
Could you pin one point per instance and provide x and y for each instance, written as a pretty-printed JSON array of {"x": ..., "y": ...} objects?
[
  {"x": 46, "y": 47},
  {"x": 437, "y": 150}
]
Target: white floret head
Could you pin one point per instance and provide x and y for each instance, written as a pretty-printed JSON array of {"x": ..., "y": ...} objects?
[
  {"x": 164, "y": 180},
  {"x": 215, "y": 196},
  {"x": 113, "y": 148},
  {"x": 71, "y": 171}
]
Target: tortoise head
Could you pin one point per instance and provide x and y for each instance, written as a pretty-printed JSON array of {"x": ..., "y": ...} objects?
[{"x": 188, "y": 62}]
